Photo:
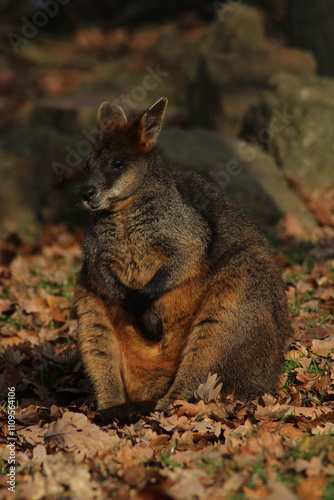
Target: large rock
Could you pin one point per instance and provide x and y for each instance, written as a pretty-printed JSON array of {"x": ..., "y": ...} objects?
[
  {"x": 243, "y": 170},
  {"x": 295, "y": 123},
  {"x": 37, "y": 170},
  {"x": 235, "y": 63},
  {"x": 17, "y": 211}
]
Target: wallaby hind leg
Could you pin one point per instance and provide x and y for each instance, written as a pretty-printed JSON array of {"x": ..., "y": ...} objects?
[
  {"x": 201, "y": 356},
  {"x": 99, "y": 349},
  {"x": 234, "y": 338}
]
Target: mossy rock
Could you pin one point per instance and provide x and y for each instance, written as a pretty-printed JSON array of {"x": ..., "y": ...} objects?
[
  {"x": 31, "y": 193},
  {"x": 295, "y": 123}
]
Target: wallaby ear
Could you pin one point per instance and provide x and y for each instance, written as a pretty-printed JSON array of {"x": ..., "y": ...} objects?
[
  {"x": 109, "y": 113},
  {"x": 151, "y": 121}
]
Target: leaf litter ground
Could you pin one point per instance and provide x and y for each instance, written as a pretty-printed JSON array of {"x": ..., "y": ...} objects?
[{"x": 276, "y": 448}]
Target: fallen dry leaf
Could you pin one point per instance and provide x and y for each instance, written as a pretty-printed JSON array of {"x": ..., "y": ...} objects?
[
  {"x": 32, "y": 434},
  {"x": 323, "y": 347},
  {"x": 327, "y": 429},
  {"x": 325, "y": 293},
  {"x": 39, "y": 454},
  {"x": 274, "y": 411},
  {"x": 210, "y": 391},
  {"x": 185, "y": 408},
  {"x": 291, "y": 432},
  {"x": 187, "y": 483},
  {"x": 29, "y": 415},
  {"x": 279, "y": 491},
  {"x": 311, "y": 488},
  {"x": 312, "y": 467},
  {"x": 73, "y": 431}
]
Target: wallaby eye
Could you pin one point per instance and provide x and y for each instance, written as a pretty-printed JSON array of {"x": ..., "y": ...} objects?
[{"x": 118, "y": 164}]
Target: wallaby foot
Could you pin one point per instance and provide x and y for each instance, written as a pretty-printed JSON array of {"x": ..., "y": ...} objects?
[{"x": 126, "y": 413}]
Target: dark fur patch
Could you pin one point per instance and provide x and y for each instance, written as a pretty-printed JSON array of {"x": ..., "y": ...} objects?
[
  {"x": 206, "y": 321},
  {"x": 100, "y": 327},
  {"x": 99, "y": 353}
]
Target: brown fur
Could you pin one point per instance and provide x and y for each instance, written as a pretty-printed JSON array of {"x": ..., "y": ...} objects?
[{"x": 170, "y": 289}]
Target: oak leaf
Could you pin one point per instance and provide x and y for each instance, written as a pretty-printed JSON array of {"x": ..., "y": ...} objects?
[
  {"x": 323, "y": 347},
  {"x": 311, "y": 488},
  {"x": 210, "y": 391},
  {"x": 74, "y": 432},
  {"x": 311, "y": 468}
]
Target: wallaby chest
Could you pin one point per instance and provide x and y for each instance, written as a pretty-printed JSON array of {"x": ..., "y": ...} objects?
[{"x": 131, "y": 247}]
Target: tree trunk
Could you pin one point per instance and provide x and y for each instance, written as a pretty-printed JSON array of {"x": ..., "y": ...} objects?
[{"x": 310, "y": 26}]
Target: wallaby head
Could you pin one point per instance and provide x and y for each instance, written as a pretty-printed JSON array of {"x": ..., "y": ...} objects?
[{"x": 121, "y": 158}]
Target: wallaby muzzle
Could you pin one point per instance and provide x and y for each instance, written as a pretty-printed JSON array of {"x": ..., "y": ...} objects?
[{"x": 88, "y": 192}]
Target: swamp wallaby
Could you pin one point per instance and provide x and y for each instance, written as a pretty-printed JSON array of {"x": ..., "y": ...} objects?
[{"x": 170, "y": 289}]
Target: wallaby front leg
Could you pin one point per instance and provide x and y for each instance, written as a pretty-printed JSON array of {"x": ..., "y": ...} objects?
[
  {"x": 99, "y": 349},
  {"x": 169, "y": 276}
]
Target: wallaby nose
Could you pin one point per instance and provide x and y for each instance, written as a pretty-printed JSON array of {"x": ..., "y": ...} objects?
[{"x": 87, "y": 192}]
